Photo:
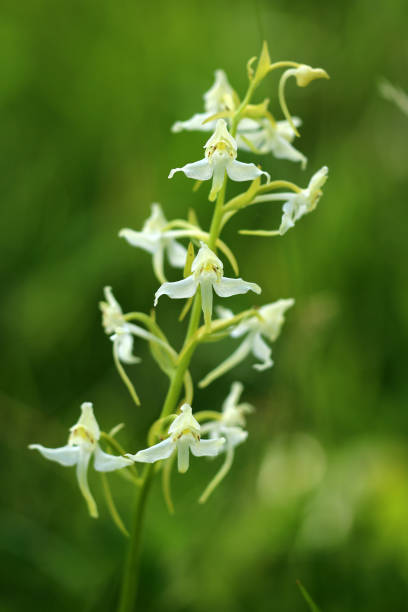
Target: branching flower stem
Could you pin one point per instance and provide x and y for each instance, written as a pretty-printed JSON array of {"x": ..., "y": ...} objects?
[
  {"x": 131, "y": 570},
  {"x": 130, "y": 575}
]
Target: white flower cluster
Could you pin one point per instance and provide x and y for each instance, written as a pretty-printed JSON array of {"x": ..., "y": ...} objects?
[{"x": 178, "y": 432}]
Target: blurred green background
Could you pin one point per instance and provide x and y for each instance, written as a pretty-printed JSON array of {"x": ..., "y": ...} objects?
[{"x": 88, "y": 92}]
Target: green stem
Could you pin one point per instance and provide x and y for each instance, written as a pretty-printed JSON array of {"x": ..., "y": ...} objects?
[
  {"x": 241, "y": 108},
  {"x": 131, "y": 570},
  {"x": 130, "y": 576},
  {"x": 217, "y": 216}
]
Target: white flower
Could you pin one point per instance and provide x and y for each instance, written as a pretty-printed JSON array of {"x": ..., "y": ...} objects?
[
  {"x": 232, "y": 422},
  {"x": 153, "y": 239},
  {"x": 220, "y": 97},
  {"x": 184, "y": 436},
  {"x": 231, "y": 427},
  {"x": 207, "y": 272},
  {"x": 220, "y": 157},
  {"x": 298, "y": 204},
  {"x": 267, "y": 325},
  {"x": 122, "y": 331},
  {"x": 82, "y": 444},
  {"x": 272, "y": 138}
]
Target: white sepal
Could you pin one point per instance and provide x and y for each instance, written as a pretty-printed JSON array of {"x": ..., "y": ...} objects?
[
  {"x": 159, "y": 451},
  {"x": 64, "y": 455}
]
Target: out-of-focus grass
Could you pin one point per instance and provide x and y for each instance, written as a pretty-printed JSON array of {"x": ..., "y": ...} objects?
[{"x": 87, "y": 95}]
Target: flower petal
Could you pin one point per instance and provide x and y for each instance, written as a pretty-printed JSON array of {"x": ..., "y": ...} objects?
[
  {"x": 87, "y": 420},
  {"x": 103, "y": 462},
  {"x": 286, "y": 223},
  {"x": 224, "y": 313},
  {"x": 226, "y": 287},
  {"x": 235, "y": 436},
  {"x": 141, "y": 240},
  {"x": 194, "y": 123},
  {"x": 158, "y": 259},
  {"x": 124, "y": 347},
  {"x": 159, "y": 451},
  {"x": 233, "y": 396},
  {"x": 183, "y": 453},
  {"x": 218, "y": 180},
  {"x": 82, "y": 476},
  {"x": 242, "y": 328},
  {"x": 207, "y": 300},
  {"x": 180, "y": 289},
  {"x": 183, "y": 422},
  {"x": 199, "y": 170},
  {"x": 207, "y": 448},
  {"x": 282, "y": 149},
  {"x": 262, "y": 352},
  {"x": 238, "y": 171},
  {"x": 176, "y": 253},
  {"x": 64, "y": 455}
]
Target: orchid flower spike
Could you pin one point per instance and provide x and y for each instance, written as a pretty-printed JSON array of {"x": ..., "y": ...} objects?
[
  {"x": 207, "y": 272},
  {"x": 298, "y": 204},
  {"x": 267, "y": 324},
  {"x": 221, "y": 97},
  {"x": 275, "y": 138},
  {"x": 115, "y": 323},
  {"x": 82, "y": 444},
  {"x": 220, "y": 158},
  {"x": 155, "y": 240},
  {"x": 184, "y": 436}
]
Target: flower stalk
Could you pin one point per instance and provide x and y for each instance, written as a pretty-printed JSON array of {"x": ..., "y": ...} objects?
[
  {"x": 236, "y": 126},
  {"x": 131, "y": 569}
]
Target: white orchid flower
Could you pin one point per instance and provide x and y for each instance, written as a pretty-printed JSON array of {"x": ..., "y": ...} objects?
[
  {"x": 231, "y": 427},
  {"x": 272, "y": 138},
  {"x": 298, "y": 204},
  {"x": 184, "y": 436},
  {"x": 232, "y": 422},
  {"x": 220, "y": 158},
  {"x": 267, "y": 324},
  {"x": 156, "y": 241},
  {"x": 220, "y": 97},
  {"x": 82, "y": 444},
  {"x": 122, "y": 331},
  {"x": 207, "y": 272}
]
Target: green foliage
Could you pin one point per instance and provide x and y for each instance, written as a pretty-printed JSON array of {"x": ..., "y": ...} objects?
[{"x": 307, "y": 597}]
